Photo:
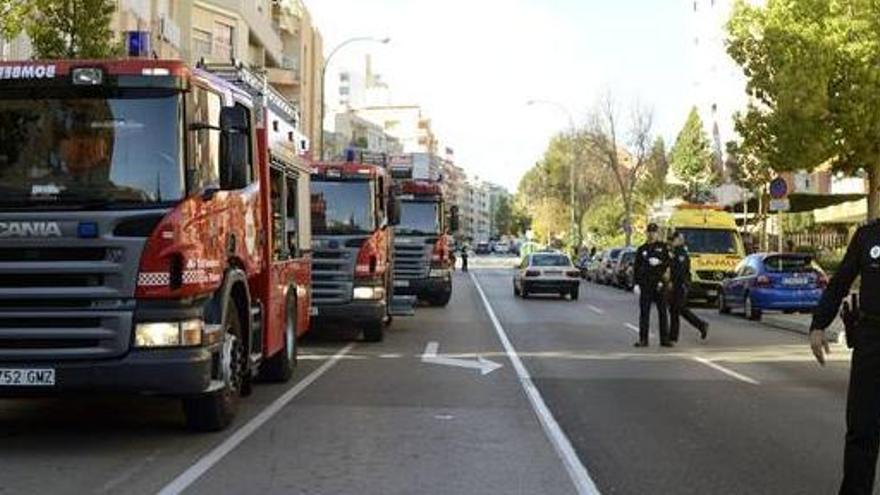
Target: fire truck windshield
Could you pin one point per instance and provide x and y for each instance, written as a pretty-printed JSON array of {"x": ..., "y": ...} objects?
[
  {"x": 419, "y": 218},
  {"x": 64, "y": 150},
  {"x": 342, "y": 207}
]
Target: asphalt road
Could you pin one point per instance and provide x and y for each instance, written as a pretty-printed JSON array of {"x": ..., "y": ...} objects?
[{"x": 745, "y": 412}]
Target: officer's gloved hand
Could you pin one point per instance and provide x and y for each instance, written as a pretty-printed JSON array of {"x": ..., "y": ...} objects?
[
  {"x": 819, "y": 345},
  {"x": 637, "y": 290}
]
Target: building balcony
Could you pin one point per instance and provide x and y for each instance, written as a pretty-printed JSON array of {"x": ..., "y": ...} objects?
[{"x": 282, "y": 77}]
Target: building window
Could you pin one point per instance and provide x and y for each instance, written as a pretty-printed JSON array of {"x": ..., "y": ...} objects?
[
  {"x": 224, "y": 41},
  {"x": 201, "y": 44}
]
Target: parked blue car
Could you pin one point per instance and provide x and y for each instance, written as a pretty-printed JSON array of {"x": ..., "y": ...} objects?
[{"x": 788, "y": 282}]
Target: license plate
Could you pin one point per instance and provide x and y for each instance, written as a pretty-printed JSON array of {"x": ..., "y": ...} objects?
[
  {"x": 313, "y": 311},
  {"x": 711, "y": 293},
  {"x": 553, "y": 272},
  {"x": 401, "y": 283},
  {"x": 27, "y": 377},
  {"x": 794, "y": 281}
]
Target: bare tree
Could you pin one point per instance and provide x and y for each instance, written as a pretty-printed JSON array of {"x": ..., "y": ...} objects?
[{"x": 626, "y": 155}]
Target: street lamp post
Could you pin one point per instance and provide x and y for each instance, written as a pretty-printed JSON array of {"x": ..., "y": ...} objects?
[
  {"x": 324, "y": 78},
  {"x": 573, "y": 153}
]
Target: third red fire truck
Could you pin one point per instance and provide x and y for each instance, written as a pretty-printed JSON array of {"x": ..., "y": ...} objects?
[{"x": 422, "y": 257}]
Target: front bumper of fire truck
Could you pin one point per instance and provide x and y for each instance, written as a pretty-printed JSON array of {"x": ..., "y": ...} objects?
[
  {"x": 173, "y": 370},
  {"x": 439, "y": 282}
]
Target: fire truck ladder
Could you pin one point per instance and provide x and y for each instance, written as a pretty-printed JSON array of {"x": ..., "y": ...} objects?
[{"x": 256, "y": 84}]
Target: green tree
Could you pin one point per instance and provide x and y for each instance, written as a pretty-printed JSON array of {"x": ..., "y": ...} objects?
[
  {"x": 503, "y": 216},
  {"x": 549, "y": 181},
  {"x": 691, "y": 157},
  {"x": 624, "y": 153},
  {"x": 812, "y": 74},
  {"x": 62, "y": 28}
]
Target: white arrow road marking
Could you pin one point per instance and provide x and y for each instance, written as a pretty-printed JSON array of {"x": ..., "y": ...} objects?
[
  {"x": 727, "y": 371},
  {"x": 594, "y": 309},
  {"x": 484, "y": 365}
]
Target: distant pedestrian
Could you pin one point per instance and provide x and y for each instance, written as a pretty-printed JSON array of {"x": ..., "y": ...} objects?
[
  {"x": 651, "y": 275},
  {"x": 464, "y": 257},
  {"x": 680, "y": 268}
]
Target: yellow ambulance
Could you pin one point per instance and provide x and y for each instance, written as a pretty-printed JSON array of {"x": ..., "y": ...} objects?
[{"x": 714, "y": 243}]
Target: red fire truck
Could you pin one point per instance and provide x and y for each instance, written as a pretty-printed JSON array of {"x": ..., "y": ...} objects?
[
  {"x": 422, "y": 257},
  {"x": 353, "y": 211},
  {"x": 154, "y": 232}
]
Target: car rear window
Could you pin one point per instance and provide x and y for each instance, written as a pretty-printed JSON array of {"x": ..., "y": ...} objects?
[
  {"x": 787, "y": 264},
  {"x": 550, "y": 260},
  {"x": 615, "y": 253}
]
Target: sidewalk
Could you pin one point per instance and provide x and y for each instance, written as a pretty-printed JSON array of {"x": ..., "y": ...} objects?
[{"x": 800, "y": 323}]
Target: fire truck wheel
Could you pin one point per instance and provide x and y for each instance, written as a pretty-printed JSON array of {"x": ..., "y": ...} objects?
[
  {"x": 374, "y": 331},
  {"x": 279, "y": 368},
  {"x": 215, "y": 410},
  {"x": 440, "y": 300}
]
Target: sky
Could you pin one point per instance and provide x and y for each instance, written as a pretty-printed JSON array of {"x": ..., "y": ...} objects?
[{"x": 474, "y": 64}]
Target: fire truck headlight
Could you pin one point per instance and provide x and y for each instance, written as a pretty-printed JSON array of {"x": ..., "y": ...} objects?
[
  {"x": 169, "y": 334},
  {"x": 368, "y": 293}
]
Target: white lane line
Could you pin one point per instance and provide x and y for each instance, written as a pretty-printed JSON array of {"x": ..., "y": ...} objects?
[
  {"x": 632, "y": 328},
  {"x": 191, "y": 475},
  {"x": 594, "y": 309},
  {"x": 576, "y": 470},
  {"x": 727, "y": 371}
]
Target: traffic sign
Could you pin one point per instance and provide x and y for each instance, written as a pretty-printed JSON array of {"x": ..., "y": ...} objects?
[
  {"x": 780, "y": 204},
  {"x": 778, "y": 188}
]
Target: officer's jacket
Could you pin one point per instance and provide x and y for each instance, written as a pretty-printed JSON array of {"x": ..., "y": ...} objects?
[
  {"x": 680, "y": 266},
  {"x": 862, "y": 258},
  {"x": 651, "y": 263}
]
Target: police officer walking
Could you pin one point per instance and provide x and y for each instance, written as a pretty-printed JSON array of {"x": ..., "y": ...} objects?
[
  {"x": 651, "y": 274},
  {"x": 680, "y": 267},
  {"x": 863, "y": 399}
]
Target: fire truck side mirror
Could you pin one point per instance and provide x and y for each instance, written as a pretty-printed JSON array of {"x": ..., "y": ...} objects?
[{"x": 234, "y": 144}]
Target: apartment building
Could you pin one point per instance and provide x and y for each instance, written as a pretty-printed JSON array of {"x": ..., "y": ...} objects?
[
  {"x": 408, "y": 123},
  {"x": 275, "y": 35}
]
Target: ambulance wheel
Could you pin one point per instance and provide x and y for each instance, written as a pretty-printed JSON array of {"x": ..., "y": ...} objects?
[{"x": 215, "y": 410}]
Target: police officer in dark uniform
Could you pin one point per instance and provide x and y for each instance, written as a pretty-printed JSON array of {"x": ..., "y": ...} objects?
[
  {"x": 651, "y": 274},
  {"x": 863, "y": 400},
  {"x": 680, "y": 268}
]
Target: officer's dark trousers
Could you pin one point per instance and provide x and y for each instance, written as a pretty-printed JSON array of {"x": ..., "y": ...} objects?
[
  {"x": 862, "y": 414},
  {"x": 464, "y": 263},
  {"x": 679, "y": 309},
  {"x": 650, "y": 296}
]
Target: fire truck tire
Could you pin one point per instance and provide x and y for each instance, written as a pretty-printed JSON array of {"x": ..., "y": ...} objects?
[
  {"x": 214, "y": 411},
  {"x": 374, "y": 331},
  {"x": 279, "y": 368},
  {"x": 440, "y": 300}
]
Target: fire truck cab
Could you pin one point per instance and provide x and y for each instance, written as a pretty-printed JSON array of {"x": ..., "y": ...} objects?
[
  {"x": 353, "y": 211},
  {"x": 154, "y": 235},
  {"x": 422, "y": 257}
]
